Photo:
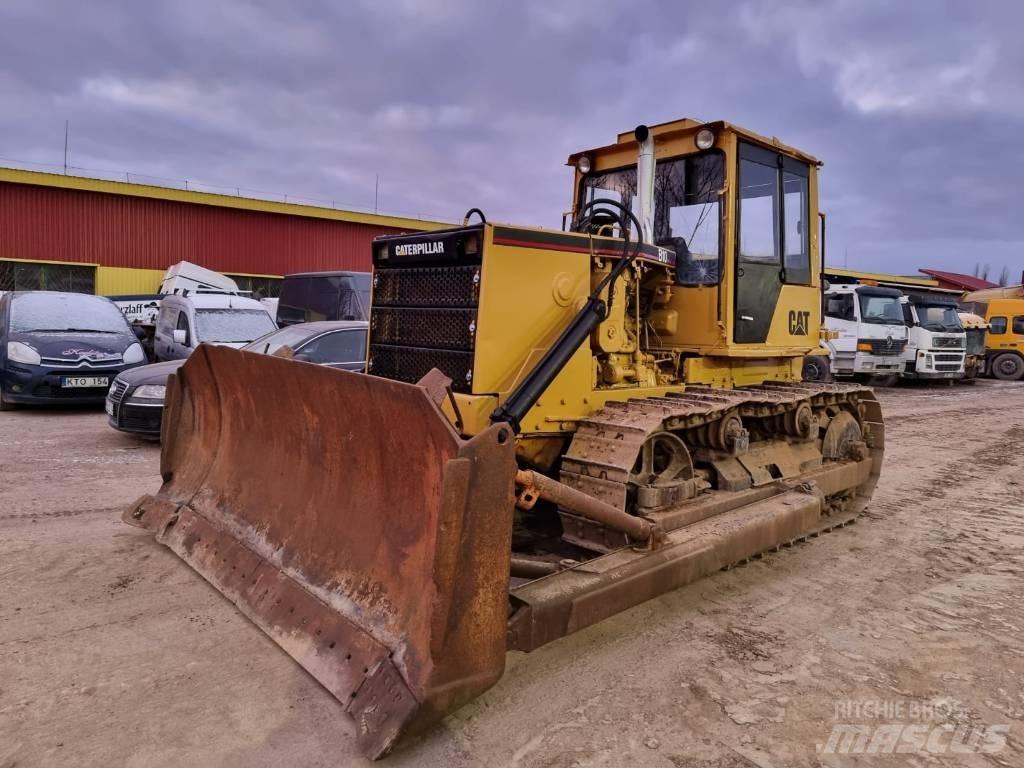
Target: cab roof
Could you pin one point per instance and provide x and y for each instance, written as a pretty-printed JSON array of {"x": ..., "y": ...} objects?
[{"x": 678, "y": 128}]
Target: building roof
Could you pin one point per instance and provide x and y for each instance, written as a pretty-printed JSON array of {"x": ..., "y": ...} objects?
[
  {"x": 964, "y": 282},
  {"x": 879, "y": 277},
  {"x": 60, "y": 181}
]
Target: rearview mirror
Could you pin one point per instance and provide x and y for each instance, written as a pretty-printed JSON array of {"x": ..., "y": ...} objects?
[{"x": 180, "y": 336}]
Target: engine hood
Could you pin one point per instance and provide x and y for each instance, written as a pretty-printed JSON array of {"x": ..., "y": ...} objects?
[
  {"x": 76, "y": 346},
  {"x": 156, "y": 373}
]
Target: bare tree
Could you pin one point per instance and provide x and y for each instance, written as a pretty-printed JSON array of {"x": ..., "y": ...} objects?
[
  {"x": 1004, "y": 276},
  {"x": 984, "y": 272},
  {"x": 977, "y": 269}
]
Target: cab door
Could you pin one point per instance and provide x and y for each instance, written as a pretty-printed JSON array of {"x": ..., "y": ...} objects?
[{"x": 772, "y": 238}]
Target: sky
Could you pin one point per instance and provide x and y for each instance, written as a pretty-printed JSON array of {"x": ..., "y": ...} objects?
[{"x": 430, "y": 108}]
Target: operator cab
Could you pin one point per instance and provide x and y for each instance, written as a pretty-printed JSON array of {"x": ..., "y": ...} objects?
[{"x": 737, "y": 210}]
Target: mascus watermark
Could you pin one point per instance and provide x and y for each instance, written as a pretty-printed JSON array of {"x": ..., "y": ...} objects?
[{"x": 899, "y": 727}]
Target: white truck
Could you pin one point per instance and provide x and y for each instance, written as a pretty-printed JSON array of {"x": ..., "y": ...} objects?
[
  {"x": 937, "y": 345},
  {"x": 869, "y": 332}
]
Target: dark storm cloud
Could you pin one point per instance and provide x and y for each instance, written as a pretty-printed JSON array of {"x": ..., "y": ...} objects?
[{"x": 915, "y": 108}]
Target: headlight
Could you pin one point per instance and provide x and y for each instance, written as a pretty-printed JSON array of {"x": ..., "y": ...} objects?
[
  {"x": 583, "y": 165},
  {"x": 150, "y": 392},
  {"x": 22, "y": 353},
  {"x": 134, "y": 354},
  {"x": 705, "y": 138}
]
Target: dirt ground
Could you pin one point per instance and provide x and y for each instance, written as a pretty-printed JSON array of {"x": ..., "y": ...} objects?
[{"x": 113, "y": 652}]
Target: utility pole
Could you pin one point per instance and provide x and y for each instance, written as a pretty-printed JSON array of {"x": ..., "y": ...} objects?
[{"x": 66, "y": 124}]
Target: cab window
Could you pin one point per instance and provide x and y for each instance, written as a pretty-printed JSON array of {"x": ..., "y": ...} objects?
[
  {"x": 687, "y": 209},
  {"x": 997, "y": 325},
  {"x": 774, "y": 211},
  {"x": 1018, "y": 325},
  {"x": 840, "y": 306},
  {"x": 183, "y": 326}
]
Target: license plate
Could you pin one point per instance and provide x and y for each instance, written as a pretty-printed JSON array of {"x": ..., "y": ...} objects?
[
  {"x": 110, "y": 407},
  {"x": 85, "y": 381}
]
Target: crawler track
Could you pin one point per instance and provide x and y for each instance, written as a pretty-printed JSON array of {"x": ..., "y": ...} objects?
[{"x": 605, "y": 447}]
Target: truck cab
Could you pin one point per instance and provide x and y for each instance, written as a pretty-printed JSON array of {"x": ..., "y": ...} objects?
[
  {"x": 1005, "y": 344},
  {"x": 870, "y": 332},
  {"x": 936, "y": 347},
  {"x": 976, "y": 330},
  {"x": 188, "y": 319}
]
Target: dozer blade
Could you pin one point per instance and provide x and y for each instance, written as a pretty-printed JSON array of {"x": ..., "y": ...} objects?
[{"x": 345, "y": 517}]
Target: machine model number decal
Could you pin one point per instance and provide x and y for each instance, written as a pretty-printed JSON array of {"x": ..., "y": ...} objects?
[{"x": 799, "y": 322}]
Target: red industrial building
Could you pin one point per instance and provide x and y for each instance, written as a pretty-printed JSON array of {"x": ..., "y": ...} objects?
[{"x": 71, "y": 233}]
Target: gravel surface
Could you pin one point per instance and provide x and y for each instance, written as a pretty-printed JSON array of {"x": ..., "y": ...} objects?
[{"x": 113, "y": 652}]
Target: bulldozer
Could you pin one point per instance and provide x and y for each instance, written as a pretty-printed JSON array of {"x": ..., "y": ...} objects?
[{"x": 555, "y": 425}]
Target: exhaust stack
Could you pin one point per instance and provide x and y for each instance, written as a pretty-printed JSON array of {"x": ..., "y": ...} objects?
[{"x": 645, "y": 181}]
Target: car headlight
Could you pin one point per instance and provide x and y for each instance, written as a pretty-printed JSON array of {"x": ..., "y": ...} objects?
[
  {"x": 134, "y": 354},
  {"x": 22, "y": 353},
  {"x": 150, "y": 392}
]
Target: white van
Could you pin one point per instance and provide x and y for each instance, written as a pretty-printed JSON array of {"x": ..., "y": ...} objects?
[{"x": 187, "y": 320}]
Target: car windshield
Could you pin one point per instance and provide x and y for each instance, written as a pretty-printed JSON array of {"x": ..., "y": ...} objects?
[
  {"x": 882, "y": 310},
  {"x": 68, "y": 312},
  {"x": 232, "y": 326},
  {"x": 289, "y": 336},
  {"x": 938, "y": 317}
]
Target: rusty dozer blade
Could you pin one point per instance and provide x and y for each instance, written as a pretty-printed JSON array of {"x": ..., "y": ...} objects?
[{"x": 346, "y": 518}]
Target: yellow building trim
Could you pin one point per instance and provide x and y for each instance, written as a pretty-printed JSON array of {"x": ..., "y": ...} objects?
[
  {"x": 252, "y": 274},
  {"x": 122, "y": 281},
  {"x": 52, "y": 261},
  {"x": 39, "y": 179}
]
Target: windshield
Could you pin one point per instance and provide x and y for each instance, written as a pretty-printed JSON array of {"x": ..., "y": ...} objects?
[
  {"x": 290, "y": 336},
  {"x": 882, "y": 310},
  {"x": 55, "y": 312},
  {"x": 938, "y": 317},
  {"x": 687, "y": 209},
  {"x": 228, "y": 326}
]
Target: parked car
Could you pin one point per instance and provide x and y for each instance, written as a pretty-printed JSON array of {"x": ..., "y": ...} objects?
[
  {"x": 136, "y": 399},
  {"x": 187, "y": 320},
  {"x": 62, "y": 347},
  {"x": 310, "y": 296}
]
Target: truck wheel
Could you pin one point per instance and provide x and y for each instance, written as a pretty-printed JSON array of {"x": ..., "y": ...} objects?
[
  {"x": 1008, "y": 367},
  {"x": 816, "y": 368}
]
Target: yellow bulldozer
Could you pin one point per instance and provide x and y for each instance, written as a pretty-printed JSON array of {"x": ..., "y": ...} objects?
[{"x": 557, "y": 425}]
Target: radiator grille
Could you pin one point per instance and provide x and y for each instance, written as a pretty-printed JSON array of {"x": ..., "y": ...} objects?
[
  {"x": 949, "y": 342},
  {"x": 885, "y": 346},
  {"x": 427, "y": 286},
  {"x": 437, "y": 328},
  {"x": 410, "y": 364},
  {"x": 423, "y": 318},
  {"x": 947, "y": 358},
  {"x": 117, "y": 390}
]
